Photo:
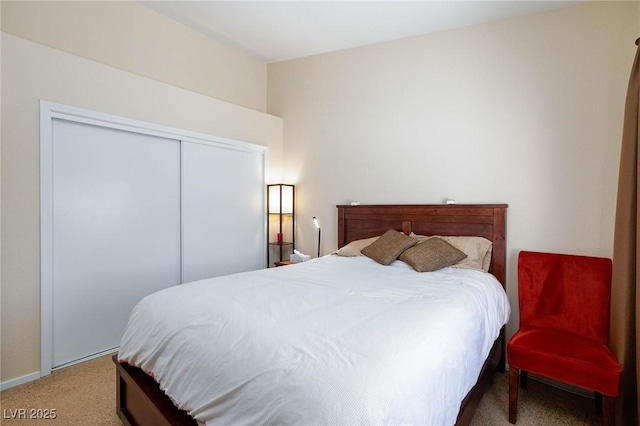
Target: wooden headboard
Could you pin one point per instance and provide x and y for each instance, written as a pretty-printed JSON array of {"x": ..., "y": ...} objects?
[{"x": 482, "y": 220}]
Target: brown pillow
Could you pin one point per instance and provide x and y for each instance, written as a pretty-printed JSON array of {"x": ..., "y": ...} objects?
[
  {"x": 477, "y": 249},
  {"x": 388, "y": 247},
  {"x": 431, "y": 255}
]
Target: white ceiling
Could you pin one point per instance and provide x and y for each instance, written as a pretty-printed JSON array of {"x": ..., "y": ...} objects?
[{"x": 274, "y": 31}]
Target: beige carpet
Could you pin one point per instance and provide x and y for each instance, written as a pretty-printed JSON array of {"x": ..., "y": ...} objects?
[
  {"x": 84, "y": 394},
  {"x": 538, "y": 405}
]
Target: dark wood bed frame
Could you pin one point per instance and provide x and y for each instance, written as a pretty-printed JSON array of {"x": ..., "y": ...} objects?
[{"x": 141, "y": 402}]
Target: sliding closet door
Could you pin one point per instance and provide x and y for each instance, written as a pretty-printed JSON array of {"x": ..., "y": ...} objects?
[
  {"x": 223, "y": 194},
  {"x": 116, "y": 222}
]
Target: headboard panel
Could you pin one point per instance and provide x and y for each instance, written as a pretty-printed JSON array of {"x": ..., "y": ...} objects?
[{"x": 482, "y": 220}]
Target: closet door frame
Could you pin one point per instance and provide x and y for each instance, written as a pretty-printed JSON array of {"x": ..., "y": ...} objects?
[{"x": 50, "y": 111}]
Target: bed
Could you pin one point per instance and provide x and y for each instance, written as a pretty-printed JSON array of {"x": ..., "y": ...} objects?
[{"x": 140, "y": 400}]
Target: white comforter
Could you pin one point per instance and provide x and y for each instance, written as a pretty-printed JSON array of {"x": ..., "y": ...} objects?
[{"x": 330, "y": 341}]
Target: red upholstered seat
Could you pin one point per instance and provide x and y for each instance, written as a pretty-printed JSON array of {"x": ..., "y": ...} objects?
[
  {"x": 564, "y": 325},
  {"x": 567, "y": 358}
]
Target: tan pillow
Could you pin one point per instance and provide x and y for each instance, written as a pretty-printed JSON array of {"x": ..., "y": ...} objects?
[
  {"x": 388, "y": 247},
  {"x": 354, "y": 247},
  {"x": 431, "y": 255},
  {"x": 477, "y": 249},
  {"x": 486, "y": 262}
]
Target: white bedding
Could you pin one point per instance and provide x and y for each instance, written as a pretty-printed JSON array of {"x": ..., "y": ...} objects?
[{"x": 334, "y": 340}]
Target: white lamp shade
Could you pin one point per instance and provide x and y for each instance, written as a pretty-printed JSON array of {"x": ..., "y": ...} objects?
[{"x": 287, "y": 199}]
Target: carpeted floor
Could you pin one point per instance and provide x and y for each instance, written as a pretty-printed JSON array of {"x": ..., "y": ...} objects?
[
  {"x": 84, "y": 394},
  {"x": 538, "y": 405}
]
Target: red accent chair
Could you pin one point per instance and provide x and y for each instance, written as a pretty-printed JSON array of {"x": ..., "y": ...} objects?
[{"x": 564, "y": 327}]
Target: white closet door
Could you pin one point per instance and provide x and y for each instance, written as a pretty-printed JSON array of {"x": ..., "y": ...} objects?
[
  {"x": 116, "y": 220},
  {"x": 222, "y": 210}
]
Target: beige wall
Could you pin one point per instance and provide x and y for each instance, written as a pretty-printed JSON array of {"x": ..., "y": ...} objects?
[
  {"x": 526, "y": 111},
  {"x": 132, "y": 37},
  {"x": 32, "y": 72}
]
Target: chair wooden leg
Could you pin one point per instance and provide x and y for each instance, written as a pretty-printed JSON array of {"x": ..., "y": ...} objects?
[
  {"x": 608, "y": 411},
  {"x": 598, "y": 401},
  {"x": 524, "y": 375},
  {"x": 513, "y": 394}
]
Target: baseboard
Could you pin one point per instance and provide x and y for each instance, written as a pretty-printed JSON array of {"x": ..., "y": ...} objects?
[
  {"x": 19, "y": 381},
  {"x": 88, "y": 358},
  {"x": 569, "y": 388},
  {"x": 38, "y": 374},
  {"x": 564, "y": 386}
]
